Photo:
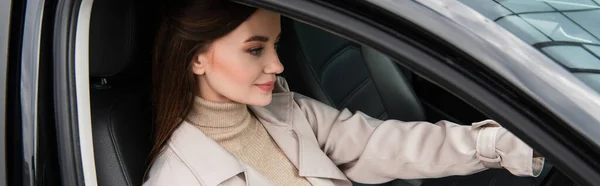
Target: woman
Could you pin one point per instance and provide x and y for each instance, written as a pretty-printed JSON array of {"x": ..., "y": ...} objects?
[{"x": 223, "y": 118}]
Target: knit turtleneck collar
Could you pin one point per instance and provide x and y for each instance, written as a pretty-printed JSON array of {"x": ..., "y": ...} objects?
[{"x": 218, "y": 115}]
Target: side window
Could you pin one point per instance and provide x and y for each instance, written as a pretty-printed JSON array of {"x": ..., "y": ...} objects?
[
  {"x": 564, "y": 30},
  {"x": 344, "y": 74}
]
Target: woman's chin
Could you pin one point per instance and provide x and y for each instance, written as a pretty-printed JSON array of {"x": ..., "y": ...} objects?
[{"x": 262, "y": 100}]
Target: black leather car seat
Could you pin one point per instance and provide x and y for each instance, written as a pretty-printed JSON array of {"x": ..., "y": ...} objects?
[{"x": 120, "y": 34}]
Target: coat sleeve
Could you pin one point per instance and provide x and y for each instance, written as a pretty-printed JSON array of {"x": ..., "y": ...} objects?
[{"x": 370, "y": 150}]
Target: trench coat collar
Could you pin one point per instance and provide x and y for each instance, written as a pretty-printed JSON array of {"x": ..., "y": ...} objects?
[{"x": 299, "y": 143}]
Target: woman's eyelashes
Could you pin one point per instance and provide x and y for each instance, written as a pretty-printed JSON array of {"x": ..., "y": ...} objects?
[{"x": 257, "y": 51}]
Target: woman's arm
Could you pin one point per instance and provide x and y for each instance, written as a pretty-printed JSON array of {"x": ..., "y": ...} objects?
[{"x": 372, "y": 150}]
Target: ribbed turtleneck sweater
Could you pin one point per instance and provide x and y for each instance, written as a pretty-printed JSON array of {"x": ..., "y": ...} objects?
[{"x": 235, "y": 128}]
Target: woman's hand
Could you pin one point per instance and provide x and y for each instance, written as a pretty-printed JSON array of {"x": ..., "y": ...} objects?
[{"x": 536, "y": 154}]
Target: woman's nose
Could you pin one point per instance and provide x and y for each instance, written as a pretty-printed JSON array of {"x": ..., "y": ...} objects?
[{"x": 274, "y": 66}]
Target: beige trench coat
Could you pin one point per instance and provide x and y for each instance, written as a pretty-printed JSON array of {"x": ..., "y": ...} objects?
[{"x": 330, "y": 147}]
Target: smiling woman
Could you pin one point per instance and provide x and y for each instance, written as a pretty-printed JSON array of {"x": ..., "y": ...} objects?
[{"x": 241, "y": 66}]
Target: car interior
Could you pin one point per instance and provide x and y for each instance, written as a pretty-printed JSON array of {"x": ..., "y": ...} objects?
[{"x": 318, "y": 64}]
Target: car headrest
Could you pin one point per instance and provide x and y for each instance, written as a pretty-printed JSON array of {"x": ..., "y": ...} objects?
[{"x": 113, "y": 37}]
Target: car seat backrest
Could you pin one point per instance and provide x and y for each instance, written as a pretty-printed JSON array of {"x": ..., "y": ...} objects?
[{"x": 120, "y": 91}]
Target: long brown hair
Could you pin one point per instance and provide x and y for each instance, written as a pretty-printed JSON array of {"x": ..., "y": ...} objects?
[{"x": 187, "y": 28}]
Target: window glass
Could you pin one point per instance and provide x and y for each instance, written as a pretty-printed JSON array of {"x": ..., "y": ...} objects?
[
  {"x": 591, "y": 79},
  {"x": 594, "y": 49},
  {"x": 520, "y": 6},
  {"x": 568, "y": 31},
  {"x": 573, "y": 57},
  {"x": 524, "y": 30},
  {"x": 588, "y": 20},
  {"x": 559, "y": 28},
  {"x": 572, "y": 4},
  {"x": 405, "y": 95}
]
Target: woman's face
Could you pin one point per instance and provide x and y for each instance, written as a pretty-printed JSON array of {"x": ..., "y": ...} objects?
[{"x": 241, "y": 66}]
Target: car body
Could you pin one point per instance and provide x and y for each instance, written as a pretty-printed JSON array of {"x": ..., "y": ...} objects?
[{"x": 46, "y": 114}]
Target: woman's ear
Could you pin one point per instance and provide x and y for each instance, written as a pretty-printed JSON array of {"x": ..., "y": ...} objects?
[{"x": 199, "y": 63}]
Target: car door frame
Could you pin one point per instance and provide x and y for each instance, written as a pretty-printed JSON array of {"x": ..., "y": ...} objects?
[
  {"x": 455, "y": 73},
  {"x": 71, "y": 92}
]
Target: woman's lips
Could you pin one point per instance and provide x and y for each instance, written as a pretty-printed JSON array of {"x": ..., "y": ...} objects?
[{"x": 267, "y": 87}]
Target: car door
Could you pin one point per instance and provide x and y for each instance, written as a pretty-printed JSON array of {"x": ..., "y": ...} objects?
[
  {"x": 21, "y": 91},
  {"x": 31, "y": 153},
  {"x": 42, "y": 140}
]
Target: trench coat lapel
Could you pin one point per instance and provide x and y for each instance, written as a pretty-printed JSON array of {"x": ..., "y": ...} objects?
[
  {"x": 210, "y": 163},
  {"x": 297, "y": 142}
]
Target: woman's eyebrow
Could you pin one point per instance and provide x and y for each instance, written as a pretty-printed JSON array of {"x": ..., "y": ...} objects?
[
  {"x": 258, "y": 38},
  {"x": 261, "y": 38}
]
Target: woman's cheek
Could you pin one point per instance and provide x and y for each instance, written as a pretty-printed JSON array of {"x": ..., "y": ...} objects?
[
  {"x": 248, "y": 70},
  {"x": 243, "y": 73}
]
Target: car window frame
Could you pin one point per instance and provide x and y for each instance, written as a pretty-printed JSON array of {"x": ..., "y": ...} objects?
[
  {"x": 441, "y": 70},
  {"x": 73, "y": 125},
  {"x": 14, "y": 157},
  {"x": 28, "y": 89}
]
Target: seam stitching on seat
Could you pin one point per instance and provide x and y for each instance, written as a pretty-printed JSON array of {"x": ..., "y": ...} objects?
[
  {"x": 115, "y": 145},
  {"x": 318, "y": 79},
  {"x": 312, "y": 70},
  {"x": 377, "y": 86},
  {"x": 353, "y": 93},
  {"x": 131, "y": 35},
  {"x": 334, "y": 56},
  {"x": 384, "y": 113}
]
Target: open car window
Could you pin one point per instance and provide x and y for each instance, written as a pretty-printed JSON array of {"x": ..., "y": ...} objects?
[{"x": 346, "y": 74}]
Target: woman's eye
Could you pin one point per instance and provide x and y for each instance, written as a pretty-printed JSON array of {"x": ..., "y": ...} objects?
[
  {"x": 276, "y": 45},
  {"x": 255, "y": 51}
]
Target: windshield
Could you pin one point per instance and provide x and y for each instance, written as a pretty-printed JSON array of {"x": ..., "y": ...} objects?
[{"x": 567, "y": 31}]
